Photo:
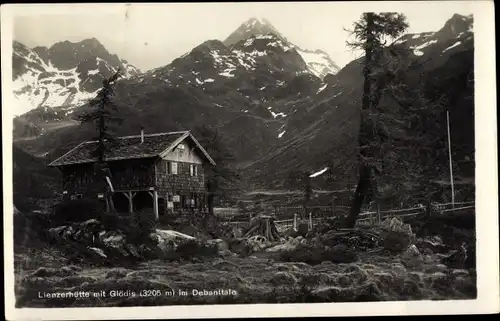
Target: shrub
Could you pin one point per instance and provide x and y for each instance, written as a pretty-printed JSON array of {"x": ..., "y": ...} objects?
[
  {"x": 138, "y": 226},
  {"x": 395, "y": 241},
  {"x": 194, "y": 249},
  {"x": 110, "y": 221},
  {"x": 77, "y": 211}
]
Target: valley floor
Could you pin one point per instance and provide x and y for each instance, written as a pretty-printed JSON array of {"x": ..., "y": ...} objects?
[{"x": 259, "y": 278}]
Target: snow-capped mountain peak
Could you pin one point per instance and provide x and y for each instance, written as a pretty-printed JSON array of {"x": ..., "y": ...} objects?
[
  {"x": 250, "y": 28},
  {"x": 63, "y": 75},
  {"x": 318, "y": 62}
]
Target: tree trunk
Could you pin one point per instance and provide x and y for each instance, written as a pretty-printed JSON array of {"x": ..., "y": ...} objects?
[
  {"x": 109, "y": 198},
  {"x": 366, "y": 135},
  {"x": 210, "y": 203},
  {"x": 360, "y": 194}
]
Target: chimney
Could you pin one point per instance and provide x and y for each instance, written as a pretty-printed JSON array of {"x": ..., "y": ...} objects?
[{"x": 142, "y": 135}]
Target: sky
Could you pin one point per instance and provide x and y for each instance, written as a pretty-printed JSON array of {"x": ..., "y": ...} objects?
[{"x": 152, "y": 35}]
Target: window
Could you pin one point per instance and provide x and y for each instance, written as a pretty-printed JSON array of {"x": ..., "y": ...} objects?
[
  {"x": 171, "y": 168},
  {"x": 76, "y": 197},
  {"x": 193, "y": 170},
  {"x": 181, "y": 148}
]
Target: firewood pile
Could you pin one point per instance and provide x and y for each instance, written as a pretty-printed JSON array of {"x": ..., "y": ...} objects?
[{"x": 263, "y": 226}]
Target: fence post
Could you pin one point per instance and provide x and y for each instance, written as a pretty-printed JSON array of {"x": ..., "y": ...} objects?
[
  {"x": 333, "y": 206},
  {"x": 310, "y": 222},
  {"x": 379, "y": 218},
  {"x": 295, "y": 222},
  {"x": 250, "y": 216},
  {"x": 428, "y": 209}
]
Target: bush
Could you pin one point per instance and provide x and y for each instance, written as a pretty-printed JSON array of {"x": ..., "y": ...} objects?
[
  {"x": 110, "y": 221},
  {"x": 194, "y": 249},
  {"x": 77, "y": 211},
  {"x": 138, "y": 226},
  {"x": 395, "y": 241}
]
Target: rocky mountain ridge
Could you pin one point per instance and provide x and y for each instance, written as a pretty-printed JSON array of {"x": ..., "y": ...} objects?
[{"x": 63, "y": 75}]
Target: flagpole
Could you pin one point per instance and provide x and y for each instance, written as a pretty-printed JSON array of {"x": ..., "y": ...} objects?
[{"x": 449, "y": 153}]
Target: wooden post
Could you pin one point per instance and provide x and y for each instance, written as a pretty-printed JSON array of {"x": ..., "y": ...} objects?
[
  {"x": 130, "y": 198},
  {"x": 379, "y": 218},
  {"x": 449, "y": 154},
  {"x": 429, "y": 209},
  {"x": 295, "y": 222},
  {"x": 310, "y": 222},
  {"x": 130, "y": 202},
  {"x": 154, "y": 194}
]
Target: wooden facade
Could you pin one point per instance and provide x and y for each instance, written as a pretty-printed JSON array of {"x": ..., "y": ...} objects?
[{"x": 170, "y": 179}]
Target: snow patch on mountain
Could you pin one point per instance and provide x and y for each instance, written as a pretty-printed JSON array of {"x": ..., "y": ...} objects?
[
  {"x": 417, "y": 49},
  {"x": 321, "y": 172},
  {"x": 321, "y": 88},
  {"x": 453, "y": 46}
]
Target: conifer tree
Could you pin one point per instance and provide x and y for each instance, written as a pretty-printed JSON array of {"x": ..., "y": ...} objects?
[
  {"x": 103, "y": 112},
  {"x": 371, "y": 33}
]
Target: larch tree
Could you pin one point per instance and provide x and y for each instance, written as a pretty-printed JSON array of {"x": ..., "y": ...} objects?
[
  {"x": 222, "y": 178},
  {"x": 302, "y": 180},
  {"x": 103, "y": 112},
  {"x": 371, "y": 33}
]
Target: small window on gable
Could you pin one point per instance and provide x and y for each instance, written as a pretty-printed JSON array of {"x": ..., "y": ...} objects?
[{"x": 172, "y": 168}]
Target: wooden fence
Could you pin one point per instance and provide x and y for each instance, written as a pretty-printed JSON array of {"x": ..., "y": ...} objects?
[{"x": 287, "y": 217}]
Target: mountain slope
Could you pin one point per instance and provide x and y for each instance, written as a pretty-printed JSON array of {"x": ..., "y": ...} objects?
[
  {"x": 323, "y": 138},
  {"x": 64, "y": 75}
]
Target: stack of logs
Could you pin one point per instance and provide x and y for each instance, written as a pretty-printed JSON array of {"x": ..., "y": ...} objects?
[{"x": 264, "y": 226}]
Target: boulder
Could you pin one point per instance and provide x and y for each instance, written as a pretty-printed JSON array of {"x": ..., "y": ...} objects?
[
  {"x": 395, "y": 224},
  {"x": 258, "y": 243},
  {"x": 98, "y": 251},
  {"x": 219, "y": 243},
  {"x": 432, "y": 245},
  {"x": 412, "y": 253},
  {"x": 282, "y": 247},
  {"x": 168, "y": 240}
]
